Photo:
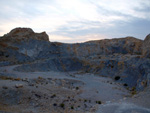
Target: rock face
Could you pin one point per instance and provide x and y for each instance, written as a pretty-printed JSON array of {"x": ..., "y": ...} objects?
[
  {"x": 146, "y": 47},
  {"x": 122, "y": 57},
  {"x": 26, "y": 33},
  {"x": 127, "y": 45}
]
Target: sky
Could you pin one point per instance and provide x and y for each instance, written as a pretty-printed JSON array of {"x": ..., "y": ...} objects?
[{"x": 73, "y": 21}]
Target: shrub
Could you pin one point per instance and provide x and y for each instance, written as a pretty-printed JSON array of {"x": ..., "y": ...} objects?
[
  {"x": 17, "y": 79},
  {"x": 98, "y": 102},
  {"x": 125, "y": 85},
  {"x": 54, "y": 95},
  {"x": 3, "y": 44},
  {"x": 72, "y": 107},
  {"x": 117, "y": 77},
  {"x": 77, "y": 88},
  {"x": 39, "y": 77},
  {"x": 133, "y": 91},
  {"x": 85, "y": 100},
  {"x": 112, "y": 66},
  {"x": 62, "y": 105},
  {"x": 68, "y": 97},
  {"x": 54, "y": 104}
]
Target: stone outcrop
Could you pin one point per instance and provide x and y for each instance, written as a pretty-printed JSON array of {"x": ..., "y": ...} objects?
[
  {"x": 146, "y": 47},
  {"x": 26, "y": 33}
]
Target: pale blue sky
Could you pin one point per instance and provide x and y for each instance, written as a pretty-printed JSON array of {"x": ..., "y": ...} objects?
[{"x": 78, "y": 20}]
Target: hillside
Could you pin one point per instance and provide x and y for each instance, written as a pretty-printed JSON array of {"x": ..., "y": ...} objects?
[{"x": 124, "y": 61}]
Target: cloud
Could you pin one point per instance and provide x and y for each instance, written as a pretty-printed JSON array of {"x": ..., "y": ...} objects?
[
  {"x": 127, "y": 7},
  {"x": 137, "y": 27},
  {"x": 68, "y": 19}
]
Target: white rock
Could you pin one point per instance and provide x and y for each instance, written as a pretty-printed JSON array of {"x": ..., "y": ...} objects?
[{"x": 19, "y": 85}]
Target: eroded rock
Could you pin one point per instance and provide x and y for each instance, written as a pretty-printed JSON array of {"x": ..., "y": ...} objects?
[
  {"x": 26, "y": 33},
  {"x": 146, "y": 47}
]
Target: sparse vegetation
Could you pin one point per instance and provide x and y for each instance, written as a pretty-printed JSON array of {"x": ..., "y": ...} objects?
[
  {"x": 9, "y": 78},
  {"x": 6, "y": 78}
]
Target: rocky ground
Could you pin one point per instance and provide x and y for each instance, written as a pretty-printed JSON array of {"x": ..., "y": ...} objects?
[
  {"x": 138, "y": 103},
  {"x": 60, "y": 92}
]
